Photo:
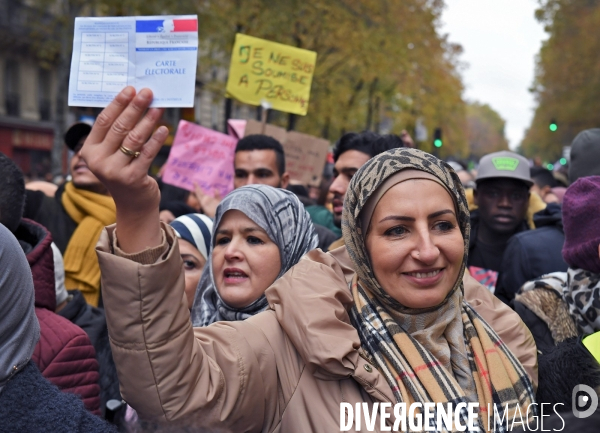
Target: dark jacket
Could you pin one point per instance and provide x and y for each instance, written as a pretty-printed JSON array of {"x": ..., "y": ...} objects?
[
  {"x": 64, "y": 353},
  {"x": 29, "y": 403},
  {"x": 49, "y": 212},
  {"x": 93, "y": 321},
  {"x": 564, "y": 367},
  {"x": 539, "y": 329},
  {"x": 563, "y": 361},
  {"x": 487, "y": 280},
  {"x": 532, "y": 253}
]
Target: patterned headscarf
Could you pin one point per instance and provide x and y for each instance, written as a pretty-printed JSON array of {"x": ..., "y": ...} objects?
[
  {"x": 19, "y": 327},
  {"x": 281, "y": 215},
  {"x": 443, "y": 354},
  {"x": 575, "y": 292}
]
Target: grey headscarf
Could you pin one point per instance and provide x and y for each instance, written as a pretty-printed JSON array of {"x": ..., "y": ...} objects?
[
  {"x": 281, "y": 215},
  {"x": 19, "y": 327}
]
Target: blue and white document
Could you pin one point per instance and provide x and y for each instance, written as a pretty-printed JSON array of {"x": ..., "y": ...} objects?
[{"x": 158, "y": 52}]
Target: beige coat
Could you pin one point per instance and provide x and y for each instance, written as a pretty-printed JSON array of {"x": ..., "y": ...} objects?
[{"x": 284, "y": 370}]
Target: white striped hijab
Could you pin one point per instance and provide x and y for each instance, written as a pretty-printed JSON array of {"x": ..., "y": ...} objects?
[{"x": 196, "y": 229}]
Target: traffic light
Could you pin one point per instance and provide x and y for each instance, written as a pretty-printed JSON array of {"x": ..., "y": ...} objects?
[
  {"x": 437, "y": 137},
  {"x": 553, "y": 125}
]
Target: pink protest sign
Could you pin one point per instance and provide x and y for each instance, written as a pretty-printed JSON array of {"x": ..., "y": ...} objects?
[
  {"x": 236, "y": 127},
  {"x": 201, "y": 156}
]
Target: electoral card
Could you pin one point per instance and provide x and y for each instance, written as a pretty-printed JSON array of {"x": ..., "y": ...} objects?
[{"x": 158, "y": 52}]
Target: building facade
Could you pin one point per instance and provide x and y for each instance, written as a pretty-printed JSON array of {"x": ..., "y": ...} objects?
[{"x": 28, "y": 86}]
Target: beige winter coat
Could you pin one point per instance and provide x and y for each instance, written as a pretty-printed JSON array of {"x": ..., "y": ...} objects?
[{"x": 284, "y": 370}]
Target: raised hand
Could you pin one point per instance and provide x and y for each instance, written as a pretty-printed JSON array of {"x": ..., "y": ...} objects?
[
  {"x": 119, "y": 151},
  {"x": 208, "y": 202}
]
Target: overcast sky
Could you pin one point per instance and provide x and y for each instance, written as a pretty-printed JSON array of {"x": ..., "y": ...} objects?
[{"x": 500, "y": 39}]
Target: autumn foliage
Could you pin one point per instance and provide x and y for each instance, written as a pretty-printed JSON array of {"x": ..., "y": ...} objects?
[
  {"x": 567, "y": 83},
  {"x": 381, "y": 64}
]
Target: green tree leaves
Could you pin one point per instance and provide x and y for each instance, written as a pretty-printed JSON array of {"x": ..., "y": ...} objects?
[{"x": 567, "y": 83}]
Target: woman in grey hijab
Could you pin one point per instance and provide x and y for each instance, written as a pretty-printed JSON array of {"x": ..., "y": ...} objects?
[{"x": 249, "y": 224}]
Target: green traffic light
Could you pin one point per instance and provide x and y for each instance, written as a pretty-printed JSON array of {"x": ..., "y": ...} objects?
[
  {"x": 437, "y": 143},
  {"x": 553, "y": 127},
  {"x": 563, "y": 161},
  {"x": 550, "y": 167}
]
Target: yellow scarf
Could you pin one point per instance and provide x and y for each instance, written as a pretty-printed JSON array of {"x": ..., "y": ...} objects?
[{"x": 92, "y": 212}]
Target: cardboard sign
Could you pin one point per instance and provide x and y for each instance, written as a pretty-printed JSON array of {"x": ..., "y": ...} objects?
[
  {"x": 275, "y": 73},
  {"x": 201, "y": 156},
  {"x": 255, "y": 127},
  {"x": 305, "y": 155}
]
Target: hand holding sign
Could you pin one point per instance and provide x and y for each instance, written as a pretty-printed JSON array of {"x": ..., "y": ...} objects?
[
  {"x": 121, "y": 130},
  {"x": 208, "y": 202}
]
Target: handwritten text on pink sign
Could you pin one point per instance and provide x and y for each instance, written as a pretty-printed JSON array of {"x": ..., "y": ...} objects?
[{"x": 203, "y": 157}]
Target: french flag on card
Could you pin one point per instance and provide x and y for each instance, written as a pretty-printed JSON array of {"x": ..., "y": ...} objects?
[{"x": 166, "y": 26}]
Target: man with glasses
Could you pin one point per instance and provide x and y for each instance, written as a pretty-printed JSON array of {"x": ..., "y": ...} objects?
[{"x": 75, "y": 216}]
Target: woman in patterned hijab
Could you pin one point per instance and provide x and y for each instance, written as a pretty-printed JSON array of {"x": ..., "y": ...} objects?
[
  {"x": 406, "y": 228},
  {"x": 254, "y": 226}
]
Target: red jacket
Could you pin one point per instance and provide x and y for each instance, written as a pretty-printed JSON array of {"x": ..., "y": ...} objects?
[{"x": 64, "y": 353}]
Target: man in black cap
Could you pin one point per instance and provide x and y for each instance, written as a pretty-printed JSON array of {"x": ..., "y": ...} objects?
[{"x": 75, "y": 216}]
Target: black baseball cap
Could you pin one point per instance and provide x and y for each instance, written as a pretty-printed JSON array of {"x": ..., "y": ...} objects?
[{"x": 76, "y": 133}]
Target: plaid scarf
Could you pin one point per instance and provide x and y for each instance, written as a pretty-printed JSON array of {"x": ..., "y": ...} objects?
[{"x": 444, "y": 354}]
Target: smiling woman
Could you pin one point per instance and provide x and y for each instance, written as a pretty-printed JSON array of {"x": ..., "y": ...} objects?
[
  {"x": 407, "y": 233},
  {"x": 420, "y": 233}
]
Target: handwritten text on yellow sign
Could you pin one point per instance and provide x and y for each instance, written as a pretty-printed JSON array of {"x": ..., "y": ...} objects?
[{"x": 267, "y": 71}]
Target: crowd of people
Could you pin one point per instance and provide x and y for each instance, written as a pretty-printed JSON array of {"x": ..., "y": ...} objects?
[{"x": 133, "y": 305}]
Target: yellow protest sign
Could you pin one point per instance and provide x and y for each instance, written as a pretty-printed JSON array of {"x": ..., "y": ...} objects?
[{"x": 278, "y": 74}]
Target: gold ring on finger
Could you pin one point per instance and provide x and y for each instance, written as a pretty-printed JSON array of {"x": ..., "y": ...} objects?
[{"x": 129, "y": 152}]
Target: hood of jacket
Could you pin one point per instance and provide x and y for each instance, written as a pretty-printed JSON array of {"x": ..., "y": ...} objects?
[
  {"x": 551, "y": 216},
  {"x": 36, "y": 241}
]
